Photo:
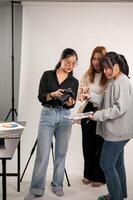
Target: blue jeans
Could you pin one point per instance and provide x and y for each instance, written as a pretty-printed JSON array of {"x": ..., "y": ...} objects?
[
  {"x": 52, "y": 123},
  {"x": 112, "y": 164}
]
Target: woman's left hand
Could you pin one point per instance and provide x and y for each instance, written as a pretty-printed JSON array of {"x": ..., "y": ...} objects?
[
  {"x": 91, "y": 116},
  {"x": 70, "y": 102}
]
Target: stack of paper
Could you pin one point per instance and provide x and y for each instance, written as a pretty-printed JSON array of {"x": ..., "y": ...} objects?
[
  {"x": 78, "y": 116},
  {"x": 10, "y": 130}
]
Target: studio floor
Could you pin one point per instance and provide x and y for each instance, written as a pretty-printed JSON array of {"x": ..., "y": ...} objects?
[{"x": 77, "y": 191}]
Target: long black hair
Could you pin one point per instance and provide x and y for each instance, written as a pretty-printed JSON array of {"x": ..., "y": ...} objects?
[
  {"x": 68, "y": 52},
  {"x": 126, "y": 66},
  {"x": 112, "y": 58}
]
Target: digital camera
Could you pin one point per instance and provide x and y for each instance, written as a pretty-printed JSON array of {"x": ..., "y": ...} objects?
[{"x": 66, "y": 94}]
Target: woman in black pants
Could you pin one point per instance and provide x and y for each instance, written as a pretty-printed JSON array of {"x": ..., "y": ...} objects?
[
  {"x": 92, "y": 146},
  {"x": 94, "y": 81}
]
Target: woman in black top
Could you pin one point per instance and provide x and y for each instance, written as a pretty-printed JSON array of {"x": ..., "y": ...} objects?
[{"x": 57, "y": 93}]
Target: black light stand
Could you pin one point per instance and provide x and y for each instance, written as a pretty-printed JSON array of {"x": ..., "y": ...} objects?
[
  {"x": 32, "y": 151},
  {"x": 12, "y": 110}
]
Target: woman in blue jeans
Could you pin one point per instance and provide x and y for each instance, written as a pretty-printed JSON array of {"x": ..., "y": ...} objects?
[
  {"x": 114, "y": 123},
  {"x": 57, "y": 94}
]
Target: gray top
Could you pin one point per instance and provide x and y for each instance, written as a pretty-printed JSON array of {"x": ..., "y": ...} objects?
[{"x": 116, "y": 116}]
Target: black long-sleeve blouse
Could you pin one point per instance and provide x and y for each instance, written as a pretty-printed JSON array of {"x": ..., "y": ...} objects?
[{"x": 49, "y": 83}]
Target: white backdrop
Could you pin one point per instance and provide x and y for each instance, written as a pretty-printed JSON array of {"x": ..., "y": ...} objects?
[{"x": 48, "y": 28}]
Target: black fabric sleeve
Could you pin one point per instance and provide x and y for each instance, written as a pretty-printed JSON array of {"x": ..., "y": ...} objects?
[{"x": 42, "y": 93}]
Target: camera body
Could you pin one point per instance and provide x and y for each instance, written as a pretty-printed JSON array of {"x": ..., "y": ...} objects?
[{"x": 66, "y": 95}]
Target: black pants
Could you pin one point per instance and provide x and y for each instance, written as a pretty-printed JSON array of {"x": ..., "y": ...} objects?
[{"x": 92, "y": 147}]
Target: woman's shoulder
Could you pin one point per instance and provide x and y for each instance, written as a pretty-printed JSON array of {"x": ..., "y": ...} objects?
[
  {"x": 123, "y": 79},
  {"x": 48, "y": 72},
  {"x": 122, "y": 83},
  {"x": 74, "y": 79}
]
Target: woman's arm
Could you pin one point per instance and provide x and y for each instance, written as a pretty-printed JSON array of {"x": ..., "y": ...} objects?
[
  {"x": 96, "y": 98},
  {"x": 122, "y": 97}
]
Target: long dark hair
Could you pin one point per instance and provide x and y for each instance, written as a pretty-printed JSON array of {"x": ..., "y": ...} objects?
[
  {"x": 68, "y": 52},
  {"x": 125, "y": 65},
  {"x": 112, "y": 58}
]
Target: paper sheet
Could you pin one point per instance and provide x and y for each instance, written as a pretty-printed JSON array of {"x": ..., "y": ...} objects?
[
  {"x": 78, "y": 116},
  {"x": 10, "y": 130},
  {"x": 5, "y": 126}
]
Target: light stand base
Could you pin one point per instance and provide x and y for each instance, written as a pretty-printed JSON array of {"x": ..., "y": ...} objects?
[{"x": 12, "y": 110}]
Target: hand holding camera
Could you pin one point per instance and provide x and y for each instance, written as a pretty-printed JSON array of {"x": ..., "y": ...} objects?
[
  {"x": 64, "y": 96},
  {"x": 70, "y": 101},
  {"x": 57, "y": 93},
  {"x": 67, "y": 97}
]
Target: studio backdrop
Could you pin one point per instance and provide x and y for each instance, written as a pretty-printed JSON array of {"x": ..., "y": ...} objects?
[{"x": 47, "y": 29}]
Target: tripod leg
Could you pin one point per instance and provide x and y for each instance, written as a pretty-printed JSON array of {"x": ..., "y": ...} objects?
[
  {"x": 8, "y": 115},
  {"x": 68, "y": 182},
  {"x": 18, "y": 177},
  {"x": 52, "y": 152},
  {"x": 32, "y": 151},
  {"x": 15, "y": 112}
]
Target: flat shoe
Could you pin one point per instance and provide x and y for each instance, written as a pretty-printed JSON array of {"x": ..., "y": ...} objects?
[
  {"x": 58, "y": 193},
  {"x": 31, "y": 196},
  {"x": 86, "y": 181},
  {"x": 96, "y": 184}
]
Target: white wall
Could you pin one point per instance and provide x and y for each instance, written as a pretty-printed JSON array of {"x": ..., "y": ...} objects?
[{"x": 48, "y": 28}]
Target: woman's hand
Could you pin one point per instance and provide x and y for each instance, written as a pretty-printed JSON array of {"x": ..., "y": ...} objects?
[
  {"x": 91, "y": 116},
  {"x": 57, "y": 93},
  {"x": 83, "y": 97},
  {"x": 86, "y": 96},
  {"x": 70, "y": 102},
  {"x": 84, "y": 93},
  {"x": 84, "y": 89}
]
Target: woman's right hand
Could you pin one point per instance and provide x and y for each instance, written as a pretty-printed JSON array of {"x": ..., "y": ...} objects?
[
  {"x": 86, "y": 96},
  {"x": 84, "y": 93},
  {"x": 84, "y": 90},
  {"x": 57, "y": 93}
]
